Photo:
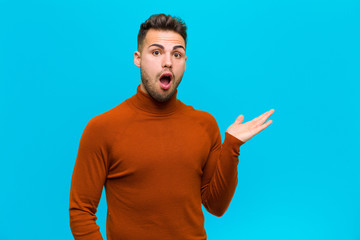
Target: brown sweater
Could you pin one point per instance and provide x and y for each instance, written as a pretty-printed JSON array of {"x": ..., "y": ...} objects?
[{"x": 158, "y": 163}]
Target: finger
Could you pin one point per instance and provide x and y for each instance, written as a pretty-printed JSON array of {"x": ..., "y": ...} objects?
[
  {"x": 257, "y": 118},
  {"x": 262, "y": 127},
  {"x": 239, "y": 119},
  {"x": 263, "y": 117}
]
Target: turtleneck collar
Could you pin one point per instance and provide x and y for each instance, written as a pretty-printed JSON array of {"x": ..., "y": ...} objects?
[{"x": 145, "y": 102}]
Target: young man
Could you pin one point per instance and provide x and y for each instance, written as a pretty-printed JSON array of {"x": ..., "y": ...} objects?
[{"x": 158, "y": 158}]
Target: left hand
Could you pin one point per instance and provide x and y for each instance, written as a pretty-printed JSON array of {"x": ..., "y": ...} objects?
[{"x": 246, "y": 131}]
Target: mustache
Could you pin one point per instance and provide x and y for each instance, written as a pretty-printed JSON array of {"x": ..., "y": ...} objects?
[{"x": 166, "y": 70}]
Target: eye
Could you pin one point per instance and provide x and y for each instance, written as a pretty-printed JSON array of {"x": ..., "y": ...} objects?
[
  {"x": 156, "y": 53},
  {"x": 177, "y": 55}
]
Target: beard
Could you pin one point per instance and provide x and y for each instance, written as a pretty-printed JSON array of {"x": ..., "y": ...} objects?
[{"x": 150, "y": 86}]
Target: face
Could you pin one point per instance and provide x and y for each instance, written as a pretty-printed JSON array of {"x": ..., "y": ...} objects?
[{"x": 162, "y": 63}]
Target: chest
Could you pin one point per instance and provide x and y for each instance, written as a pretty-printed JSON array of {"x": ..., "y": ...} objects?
[{"x": 166, "y": 147}]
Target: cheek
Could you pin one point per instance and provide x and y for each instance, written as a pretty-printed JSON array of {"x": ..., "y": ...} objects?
[
  {"x": 150, "y": 70},
  {"x": 181, "y": 68},
  {"x": 150, "y": 64}
]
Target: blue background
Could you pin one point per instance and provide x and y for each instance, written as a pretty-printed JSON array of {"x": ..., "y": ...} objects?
[{"x": 63, "y": 62}]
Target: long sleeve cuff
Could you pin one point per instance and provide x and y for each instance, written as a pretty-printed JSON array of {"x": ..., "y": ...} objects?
[{"x": 232, "y": 143}]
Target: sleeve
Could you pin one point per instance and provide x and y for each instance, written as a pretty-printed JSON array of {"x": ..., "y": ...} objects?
[
  {"x": 87, "y": 183},
  {"x": 219, "y": 177}
]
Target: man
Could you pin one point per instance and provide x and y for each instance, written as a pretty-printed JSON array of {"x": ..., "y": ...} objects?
[{"x": 158, "y": 158}]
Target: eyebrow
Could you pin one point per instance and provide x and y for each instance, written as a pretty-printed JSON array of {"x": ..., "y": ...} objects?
[{"x": 162, "y": 47}]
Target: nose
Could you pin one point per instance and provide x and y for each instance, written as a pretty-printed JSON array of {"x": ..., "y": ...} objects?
[{"x": 167, "y": 62}]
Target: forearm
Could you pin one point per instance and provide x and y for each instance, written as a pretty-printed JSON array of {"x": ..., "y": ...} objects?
[
  {"x": 83, "y": 225},
  {"x": 82, "y": 209},
  {"x": 217, "y": 194}
]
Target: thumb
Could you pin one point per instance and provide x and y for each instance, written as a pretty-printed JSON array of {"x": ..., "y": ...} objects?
[{"x": 239, "y": 119}]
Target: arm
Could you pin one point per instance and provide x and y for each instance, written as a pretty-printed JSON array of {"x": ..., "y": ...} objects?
[
  {"x": 87, "y": 183},
  {"x": 219, "y": 178}
]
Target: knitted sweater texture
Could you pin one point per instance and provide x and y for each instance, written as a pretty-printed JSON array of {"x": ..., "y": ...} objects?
[{"x": 158, "y": 162}]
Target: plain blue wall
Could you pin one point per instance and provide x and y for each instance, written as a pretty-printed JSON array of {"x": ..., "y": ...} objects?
[{"x": 63, "y": 62}]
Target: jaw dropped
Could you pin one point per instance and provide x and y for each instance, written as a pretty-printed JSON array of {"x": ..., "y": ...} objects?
[{"x": 165, "y": 80}]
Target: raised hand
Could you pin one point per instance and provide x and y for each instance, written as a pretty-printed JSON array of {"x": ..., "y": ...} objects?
[{"x": 245, "y": 131}]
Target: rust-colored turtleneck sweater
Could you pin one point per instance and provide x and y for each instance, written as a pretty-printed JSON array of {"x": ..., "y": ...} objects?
[{"x": 158, "y": 163}]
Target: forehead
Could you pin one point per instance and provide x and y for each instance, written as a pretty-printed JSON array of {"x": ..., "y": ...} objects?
[{"x": 166, "y": 38}]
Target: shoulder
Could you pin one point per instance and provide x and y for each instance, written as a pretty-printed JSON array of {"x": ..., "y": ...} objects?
[
  {"x": 111, "y": 119},
  {"x": 203, "y": 118}
]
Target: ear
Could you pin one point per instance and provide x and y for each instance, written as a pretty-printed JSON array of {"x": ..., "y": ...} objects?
[
  {"x": 185, "y": 62},
  {"x": 137, "y": 56}
]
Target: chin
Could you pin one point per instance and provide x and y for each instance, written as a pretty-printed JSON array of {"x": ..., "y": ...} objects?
[{"x": 164, "y": 96}]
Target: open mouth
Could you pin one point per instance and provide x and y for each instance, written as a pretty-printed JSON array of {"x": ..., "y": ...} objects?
[{"x": 165, "y": 80}]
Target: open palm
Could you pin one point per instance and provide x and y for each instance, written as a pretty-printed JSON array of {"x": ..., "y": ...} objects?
[{"x": 245, "y": 131}]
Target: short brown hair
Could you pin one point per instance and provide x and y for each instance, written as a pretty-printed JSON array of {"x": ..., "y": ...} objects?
[{"x": 161, "y": 22}]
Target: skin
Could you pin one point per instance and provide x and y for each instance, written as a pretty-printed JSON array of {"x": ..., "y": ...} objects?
[
  {"x": 164, "y": 51},
  {"x": 161, "y": 51}
]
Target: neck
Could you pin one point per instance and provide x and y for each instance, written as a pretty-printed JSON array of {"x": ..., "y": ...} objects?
[{"x": 145, "y": 102}]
